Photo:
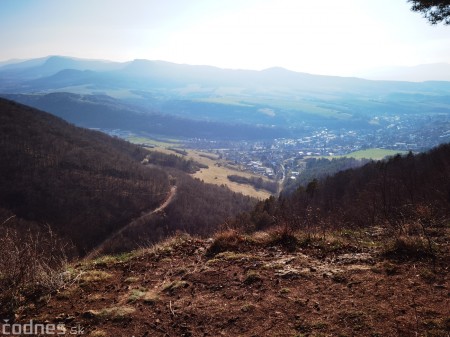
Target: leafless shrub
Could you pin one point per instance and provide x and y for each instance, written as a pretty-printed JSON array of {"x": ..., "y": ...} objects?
[{"x": 31, "y": 265}]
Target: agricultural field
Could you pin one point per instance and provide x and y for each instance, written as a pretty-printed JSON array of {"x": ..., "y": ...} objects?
[
  {"x": 152, "y": 142},
  {"x": 217, "y": 172},
  {"x": 375, "y": 154}
]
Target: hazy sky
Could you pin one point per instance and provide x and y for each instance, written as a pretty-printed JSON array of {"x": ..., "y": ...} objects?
[{"x": 337, "y": 37}]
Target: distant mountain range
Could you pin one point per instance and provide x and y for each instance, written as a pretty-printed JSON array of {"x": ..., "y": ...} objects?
[
  {"x": 146, "y": 74},
  {"x": 273, "y": 99}
]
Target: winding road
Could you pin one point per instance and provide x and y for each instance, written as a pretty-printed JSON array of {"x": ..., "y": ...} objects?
[{"x": 99, "y": 249}]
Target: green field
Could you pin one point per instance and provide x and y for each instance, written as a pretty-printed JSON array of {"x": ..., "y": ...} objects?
[
  {"x": 375, "y": 154},
  {"x": 236, "y": 101}
]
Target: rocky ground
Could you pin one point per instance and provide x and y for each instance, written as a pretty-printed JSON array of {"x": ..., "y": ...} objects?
[{"x": 266, "y": 284}]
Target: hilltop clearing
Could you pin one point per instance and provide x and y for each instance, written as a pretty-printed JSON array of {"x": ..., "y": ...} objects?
[{"x": 265, "y": 284}]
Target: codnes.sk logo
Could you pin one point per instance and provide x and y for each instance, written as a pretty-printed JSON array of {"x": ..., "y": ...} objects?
[{"x": 39, "y": 329}]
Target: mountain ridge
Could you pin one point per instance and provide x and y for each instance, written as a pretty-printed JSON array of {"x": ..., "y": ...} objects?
[{"x": 91, "y": 64}]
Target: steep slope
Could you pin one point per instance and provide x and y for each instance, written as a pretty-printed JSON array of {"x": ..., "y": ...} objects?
[
  {"x": 87, "y": 185},
  {"x": 87, "y": 188},
  {"x": 196, "y": 208},
  {"x": 83, "y": 183}
]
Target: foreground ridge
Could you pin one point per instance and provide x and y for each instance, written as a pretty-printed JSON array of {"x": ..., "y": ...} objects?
[{"x": 265, "y": 284}]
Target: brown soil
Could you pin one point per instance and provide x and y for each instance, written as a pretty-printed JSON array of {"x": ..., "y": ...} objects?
[{"x": 178, "y": 289}]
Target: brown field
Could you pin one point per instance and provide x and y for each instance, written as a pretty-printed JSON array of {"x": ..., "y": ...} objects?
[{"x": 217, "y": 172}]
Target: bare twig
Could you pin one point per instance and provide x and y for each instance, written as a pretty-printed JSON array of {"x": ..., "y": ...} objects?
[
  {"x": 170, "y": 308},
  {"x": 11, "y": 217}
]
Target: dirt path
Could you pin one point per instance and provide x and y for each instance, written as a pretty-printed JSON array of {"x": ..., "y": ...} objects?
[
  {"x": 99, "y": 249},
  {"x": 170, "y": 196}
]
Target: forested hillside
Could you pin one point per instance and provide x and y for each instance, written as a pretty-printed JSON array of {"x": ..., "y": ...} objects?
[
  {"x": 318, "y": 168},
  {"x": 101, "y": 111},
  {"x": 86, "y": 185},
  {"x": 396, "y": 192},
  {"x": 82, "y": 183},
  {"x": 197, "y": 208}
]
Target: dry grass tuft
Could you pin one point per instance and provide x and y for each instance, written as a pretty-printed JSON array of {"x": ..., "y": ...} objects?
[
  {"x": 252, "y": 277},
  {"x": 118, "y": 313},
  {"x": 228, "y": 240},
  {"x": 144, "y": 295},
  {"x": 98, "y": 333},
  {"x": 284, "y": 237},
  {"x": 175, "y": 285},
  {"x": 409, "y": 247},
  {"x": 94, "y": 276},
  {"x": 32, "y": 264}
]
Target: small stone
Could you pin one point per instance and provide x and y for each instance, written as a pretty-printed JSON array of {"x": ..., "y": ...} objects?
[{"x": 88, "y": 314}]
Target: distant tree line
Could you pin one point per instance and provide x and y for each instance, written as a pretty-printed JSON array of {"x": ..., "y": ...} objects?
[
  {"x": 179, "y": 151},
  {"x": 256, "y": 182},
  {"x": 174, "y": 161},
  {"x": 318, "y": 168},
  {"x": 101, "y": 111}
]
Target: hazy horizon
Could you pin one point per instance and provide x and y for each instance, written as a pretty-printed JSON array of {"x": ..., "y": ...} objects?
[
  {"x": 415, "y": 73},
  {"x": 343, "y": 39}
]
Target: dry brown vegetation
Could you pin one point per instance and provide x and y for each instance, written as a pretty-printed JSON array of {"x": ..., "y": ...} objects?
[
  {"x": 276, "y": 283},
  {"x": 32, "y": 265}
]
